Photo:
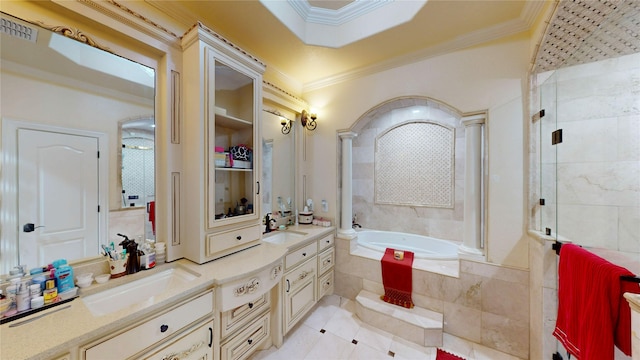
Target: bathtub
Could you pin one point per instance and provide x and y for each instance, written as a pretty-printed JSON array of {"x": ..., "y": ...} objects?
[{"x": 423, "y": 247}]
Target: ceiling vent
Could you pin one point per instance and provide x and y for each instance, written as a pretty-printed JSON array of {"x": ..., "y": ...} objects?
[{"x": 18, "y": 30}]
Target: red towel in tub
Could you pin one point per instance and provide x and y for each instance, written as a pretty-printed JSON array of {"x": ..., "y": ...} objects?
[
  {"x": 397, "y": 278},
  {"x": 589, "y": 291}
]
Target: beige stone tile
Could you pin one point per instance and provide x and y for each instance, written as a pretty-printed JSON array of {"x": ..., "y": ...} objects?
[
  {"x": 363, "y": 351},
  {"x": 462, "y": 321},
  {"x": 494, "y": 271},
  {"x": 374, "y": 337},
  {"x": 506, "y": 335},
  {"x": 329, "y": 346},
  {"x": 346, "y": 285},
  {"x": 466, "y": 291},
  {"x": 506, "y": 298},
  {"x": 344, "y": 323},
  {"x": 405, "y": 350},
  {"x": 322, "y": 312},
  {"x": 372, "y": 286}
]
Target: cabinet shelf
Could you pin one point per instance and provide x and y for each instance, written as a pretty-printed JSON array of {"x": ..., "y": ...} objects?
[
  {"x": 233, "y": 169},
  {"x": 231, "y": 122}
]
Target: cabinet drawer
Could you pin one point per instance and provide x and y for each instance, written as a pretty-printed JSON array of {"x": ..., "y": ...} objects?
[
  {"x": 325, "y": 284},
  {"x": 326, "y": 260},
  {"x": 196, "y": 344},
  {"x": 230, "y": 241},
  {"x": 235, "y": 318},
  {"x": 242, "y": 291},
  {"x": 325, "y": 242},
  {"x": 243, "y": 345},
  {"x": 300, "y": 275},
  {"x": 297, "y": 256},
  {"x": 150, "y": 332}
]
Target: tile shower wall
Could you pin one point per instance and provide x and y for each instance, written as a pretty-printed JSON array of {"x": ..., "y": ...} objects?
[
  {"x": 486, "y": 304},
  {"x": 597, "y": 106},
  {"x": 441, "y": 223}
]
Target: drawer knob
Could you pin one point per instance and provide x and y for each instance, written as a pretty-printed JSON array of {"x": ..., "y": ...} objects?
[
  {"x": 250, "y": 341},
  {"x": 238, "y": 237},
  {"x": 304, "y": 254},
  {"x": 164, "y": 328},
  {"x": 250, "y": 305},
  {"x": 328, "y": 241}
]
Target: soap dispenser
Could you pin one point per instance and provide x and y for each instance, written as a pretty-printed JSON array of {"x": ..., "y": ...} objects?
[{"x": 133, "y": 263}]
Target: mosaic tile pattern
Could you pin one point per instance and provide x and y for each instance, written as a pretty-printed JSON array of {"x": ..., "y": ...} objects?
[
  {"x": 584, "y": 31},
  {"x": 414, "y": 165}
]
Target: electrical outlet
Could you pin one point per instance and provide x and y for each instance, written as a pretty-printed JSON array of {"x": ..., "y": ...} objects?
[{"x": 325, "y": 206}]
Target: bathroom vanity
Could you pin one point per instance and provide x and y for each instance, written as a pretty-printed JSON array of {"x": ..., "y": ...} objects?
[{"x": 224, "y": 309}]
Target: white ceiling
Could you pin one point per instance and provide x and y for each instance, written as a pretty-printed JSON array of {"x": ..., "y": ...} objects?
[{"x": 426, "y": 29}]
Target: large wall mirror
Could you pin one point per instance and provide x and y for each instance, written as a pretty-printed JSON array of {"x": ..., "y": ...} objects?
[
  {"x": 278, "y": 162},
  {"x": 77, "y": 130}
]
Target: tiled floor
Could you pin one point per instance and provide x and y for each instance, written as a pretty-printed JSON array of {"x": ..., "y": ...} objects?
[{"x": 332, "y": 331}]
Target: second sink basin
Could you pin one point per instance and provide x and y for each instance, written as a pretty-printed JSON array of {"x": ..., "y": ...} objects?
[
  {"x": 137, "y": 291},
  {"x": 283, "y": 237}
]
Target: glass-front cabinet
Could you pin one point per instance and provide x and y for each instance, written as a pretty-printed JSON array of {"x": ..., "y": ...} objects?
[{"x": 221, "y": 147}]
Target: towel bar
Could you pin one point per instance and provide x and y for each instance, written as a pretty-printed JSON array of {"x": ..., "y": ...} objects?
[{"x": 557, "y": 245}]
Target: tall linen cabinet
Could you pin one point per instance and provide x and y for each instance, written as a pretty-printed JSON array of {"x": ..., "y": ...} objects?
[{"x": 222, "y": 92}]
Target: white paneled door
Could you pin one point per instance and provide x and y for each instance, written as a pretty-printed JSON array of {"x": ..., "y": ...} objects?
[{"x": 58, "y": 194}]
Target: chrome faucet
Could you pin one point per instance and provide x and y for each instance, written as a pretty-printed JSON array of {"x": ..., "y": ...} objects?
[
  {"x": 354, "y": 224},
  {"x": 267, "y": 221}
]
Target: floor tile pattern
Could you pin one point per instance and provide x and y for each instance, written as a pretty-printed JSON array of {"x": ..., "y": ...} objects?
[{"x": 332, "y": 331}]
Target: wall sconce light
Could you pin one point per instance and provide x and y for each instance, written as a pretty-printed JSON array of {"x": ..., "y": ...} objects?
[
  {"x": 286, "y": 125},
  {"x": 308, "y": 120}
]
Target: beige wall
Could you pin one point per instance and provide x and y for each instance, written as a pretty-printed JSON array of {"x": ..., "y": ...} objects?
[{"x": 490, "y": 77}]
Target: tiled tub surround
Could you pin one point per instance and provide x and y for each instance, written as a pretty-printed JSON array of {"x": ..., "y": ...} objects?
[
  {"x": 482, "y": 303},
  {"x": 597, "y": 197},
  {"x": 442, "y": 223}
]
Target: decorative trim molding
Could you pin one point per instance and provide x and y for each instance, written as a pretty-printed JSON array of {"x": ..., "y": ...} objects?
[
  {"x": 72, "y": 33},
  {"x": 215, "y": 39},
  {"x": 120, "y": 13}
]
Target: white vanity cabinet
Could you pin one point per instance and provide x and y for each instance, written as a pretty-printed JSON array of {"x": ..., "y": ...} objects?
[
  {"x": 186, "y": 328},
  {"x": 244, "y": 307},
  {"x": 195, "y": 344},
  {"x": 300, "y": 292},
  {"x": 308, "y": 277},
  {"x": 222, "y": 93},
  {"x": 326, "y": 261}
]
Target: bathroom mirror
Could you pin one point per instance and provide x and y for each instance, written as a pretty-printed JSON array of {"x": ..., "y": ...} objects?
[
  {"x": 56, "y": 87},
  {"x": 278, "y": 163}
]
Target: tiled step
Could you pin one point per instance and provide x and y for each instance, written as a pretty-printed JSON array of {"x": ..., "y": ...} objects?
[{"x": 418, "y": 325}]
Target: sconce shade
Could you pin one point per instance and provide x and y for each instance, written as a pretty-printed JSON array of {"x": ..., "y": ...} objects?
[
  {"x": 308, "y": 121},
  {"x": 286, "y": 125}
]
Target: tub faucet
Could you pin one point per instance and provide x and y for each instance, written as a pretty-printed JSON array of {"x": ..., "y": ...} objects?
[{"x": 354, "y": 224}]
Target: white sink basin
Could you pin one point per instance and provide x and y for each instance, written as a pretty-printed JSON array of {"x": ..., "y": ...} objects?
[
  {"x": 138, "y": 291},
  {"x": 283, "y": 237}
]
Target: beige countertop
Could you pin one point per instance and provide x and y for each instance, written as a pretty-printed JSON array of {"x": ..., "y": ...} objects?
[{"x": 56, "y": 330}]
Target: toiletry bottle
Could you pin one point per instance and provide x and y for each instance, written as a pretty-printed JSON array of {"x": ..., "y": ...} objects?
[
  {"x": 51, "y": 292},
  {"x": 23, "y": 300},
  {"x": 64, "y": 278}
]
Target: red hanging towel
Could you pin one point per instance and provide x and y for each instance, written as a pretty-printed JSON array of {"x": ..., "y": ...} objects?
[
  {"x": 589, "y": 291},
  {"x": 152, "y": 215},
  {"x": 397, "y": 278}
]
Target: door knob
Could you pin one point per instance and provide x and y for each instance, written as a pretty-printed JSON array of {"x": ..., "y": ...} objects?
[{"x": 30, "y": 227}]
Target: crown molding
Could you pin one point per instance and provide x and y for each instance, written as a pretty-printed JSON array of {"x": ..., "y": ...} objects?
[{"x": 495, "y": 32}]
